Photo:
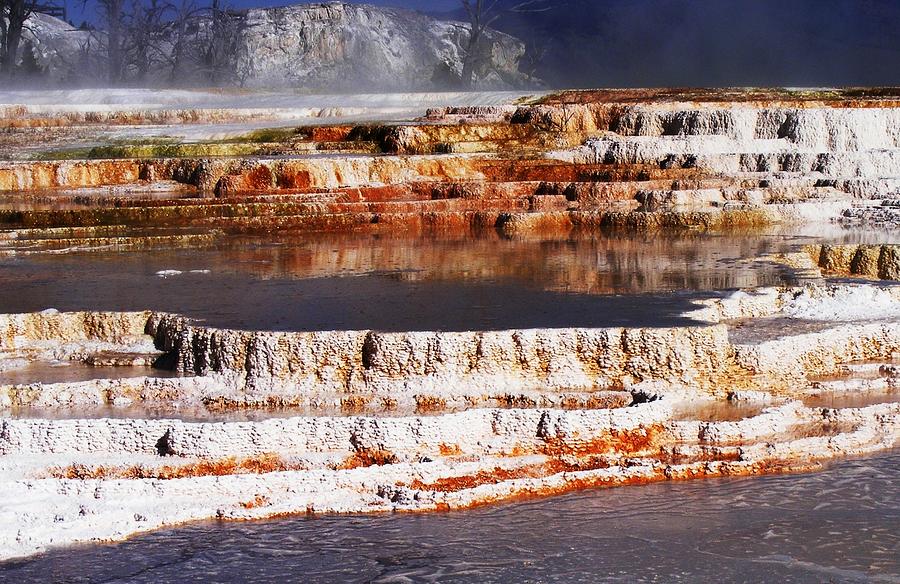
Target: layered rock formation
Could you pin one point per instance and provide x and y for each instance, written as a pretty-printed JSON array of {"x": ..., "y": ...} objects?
[
  {"x": 577, "y": 160},
  {"x": 497, "y": 415},
  {"x": 242, "y": 424}
]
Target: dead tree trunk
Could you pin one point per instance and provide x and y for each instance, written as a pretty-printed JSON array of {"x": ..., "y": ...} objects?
[
  {"x": 482, "y": 14},
  {"x": 185, "y": 19},
  {"x": 17, "y": 13},
  {"x": 4, "y": 11},
  {"x": 113, "y": 13}
]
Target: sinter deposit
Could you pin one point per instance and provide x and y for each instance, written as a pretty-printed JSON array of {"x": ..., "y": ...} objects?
[{"x": 194, "y": 421}]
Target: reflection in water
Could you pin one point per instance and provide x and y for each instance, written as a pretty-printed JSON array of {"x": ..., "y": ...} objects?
[
  {"x": 718, "y": 411},
  {"x": 416, "y": 283},
  {"x": 70, "y": 371},
  {"x": 845, "y": 399},
  {"x": 585, "y": 264},
  {"x": 840, "y": 525},
  {"x": 100, "y": 197}
]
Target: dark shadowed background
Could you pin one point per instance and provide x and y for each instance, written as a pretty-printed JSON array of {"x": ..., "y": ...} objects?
[{"x": 692, "y": 42}]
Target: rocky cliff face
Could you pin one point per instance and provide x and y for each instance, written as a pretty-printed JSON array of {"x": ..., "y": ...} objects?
[
  {"x": 331, "y": 46},
  {"x": 59, "y": 52},
  {"x": 344, "y": 46}
]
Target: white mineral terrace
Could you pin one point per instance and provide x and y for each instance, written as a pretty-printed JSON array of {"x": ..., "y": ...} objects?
[
  {"x": 119, "y": 422},
  {"x": 204, "y": 115},
  {"x": 430, "y": 421}
]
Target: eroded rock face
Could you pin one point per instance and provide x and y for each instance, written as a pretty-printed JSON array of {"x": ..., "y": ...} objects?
[
  {"x": 516, "y": 360},
  {"x": 332, "y": 46},
  {"x": 345, "y": 46},
  {"x": 870, "y": 261},
  {"x": 63, "y": 53}
]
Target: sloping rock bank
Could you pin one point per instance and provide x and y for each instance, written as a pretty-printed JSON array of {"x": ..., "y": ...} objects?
[{"x": 869, "y": 261}]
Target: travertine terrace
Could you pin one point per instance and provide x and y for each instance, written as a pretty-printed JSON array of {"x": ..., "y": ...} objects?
[{"x": 243, "y": 424}]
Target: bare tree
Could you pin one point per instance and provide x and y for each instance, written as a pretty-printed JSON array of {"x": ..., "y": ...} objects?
[
  {"x": 146, "y": 38},
  {"x": 482, "y": 14},
  {"x": 114, "y": 17},
  {"x": 181, "y": 31},
  {"x": 145, "y": 35},
  {"x": 4, "y": 28},
  {"x": 85, "y": 63},
  {"x": 219, "y": 40},
  {"x": 13, "y": 15}
]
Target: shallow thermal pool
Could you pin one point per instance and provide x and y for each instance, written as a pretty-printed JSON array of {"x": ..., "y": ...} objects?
[
  {"x": 358, "y": 282},
  {"x": 840, "y": 525},
  {"x": 73, "y": 372}
]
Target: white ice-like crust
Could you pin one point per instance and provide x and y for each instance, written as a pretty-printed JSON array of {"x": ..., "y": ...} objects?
[
  {"x": 137, "y": 100},
  {"x": 740, "y": 304},
  {"x": 836, "y": 303},
  {"x": 846, "y": 304}
]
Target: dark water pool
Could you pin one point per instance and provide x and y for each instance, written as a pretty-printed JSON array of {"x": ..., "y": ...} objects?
[
  {"x": 837, "y": 400},
  {"x": 839, "y": 525},
  {"x": 73, "y": 372},
  {"x": 409, "y": 283}
]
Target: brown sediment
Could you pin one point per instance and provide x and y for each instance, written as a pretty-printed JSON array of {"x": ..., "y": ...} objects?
[
  {"x": 642, "y": 439},
  {"x": 867, "y": 261},
  {"x": 449, "y": 449},
  {"x": 365, "y": 457},
  {"x": 655, "y": 474},
  {"x": 354, "y": 403},
  {"x": 430, "y": 403},
  {"x": 492, "y": 477},
  {"x": 822, "y": 428},
  {"x": 673, "y": 456},
  {"x": 257, "y": 501},
  {"x": 601, "y": 400},
  {"x": 330, "y": 133},
  {"x": 218, "y": 467}
]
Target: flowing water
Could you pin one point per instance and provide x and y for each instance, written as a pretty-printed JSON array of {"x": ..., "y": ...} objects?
[{"x": 840, "y": 525}]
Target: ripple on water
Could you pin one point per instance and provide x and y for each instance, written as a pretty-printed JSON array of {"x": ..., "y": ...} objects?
[{"x": 839, "y": 525}]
